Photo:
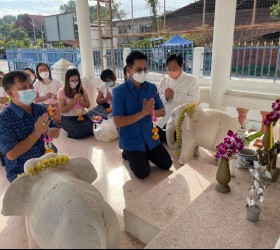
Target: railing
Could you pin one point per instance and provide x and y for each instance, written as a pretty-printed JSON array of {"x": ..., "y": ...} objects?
[
  {"x": 97, "y": 62},
  {"x": 118, "y": 55},
  {"x": 157, "y": 57},
  {"x": 21, "y": 58},
  {"x": 250, "y": 62}
]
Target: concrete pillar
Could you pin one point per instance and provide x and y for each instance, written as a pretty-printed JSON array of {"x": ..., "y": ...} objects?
[
  {"x": 222, "y": 51},
  {"x": 198, "y": 58},
  {"x": 82, "y": 10},
  {"x": 126, "y": 52}
]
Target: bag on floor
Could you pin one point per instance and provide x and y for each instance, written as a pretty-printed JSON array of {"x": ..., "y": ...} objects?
[{"x": 106, "y": 131}]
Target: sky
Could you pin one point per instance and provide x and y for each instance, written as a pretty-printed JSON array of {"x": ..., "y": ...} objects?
[{"x": 51, "y": 7}]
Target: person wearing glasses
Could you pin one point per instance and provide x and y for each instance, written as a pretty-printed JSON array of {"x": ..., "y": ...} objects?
[
  {"x": 175, "y": 89},
  {"x": 134, "y": 103}
]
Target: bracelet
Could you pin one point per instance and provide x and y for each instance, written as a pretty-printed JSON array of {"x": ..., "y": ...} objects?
[{"x": 32, "y": 138}]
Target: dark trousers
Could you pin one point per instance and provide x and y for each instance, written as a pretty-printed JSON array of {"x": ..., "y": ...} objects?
[
  {"x": 162, "y": 134},
  {"x": 77, "y": 129},
  {"x": 139, "y": 161}
]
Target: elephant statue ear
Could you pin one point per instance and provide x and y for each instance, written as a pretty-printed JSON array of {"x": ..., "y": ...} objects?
[
  {"x": 82, "y": 168},
  {"x": 189, "y": 122},
  {"x": 15, "y": 200}
]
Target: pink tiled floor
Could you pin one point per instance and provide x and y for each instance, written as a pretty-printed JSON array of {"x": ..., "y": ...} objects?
[{"x": 115, "y": 181}]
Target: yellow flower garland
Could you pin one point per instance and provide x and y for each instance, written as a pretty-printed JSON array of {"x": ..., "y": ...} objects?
[
  {"x": 47, "y": 163},
  {"x": 187, "y": 109}
]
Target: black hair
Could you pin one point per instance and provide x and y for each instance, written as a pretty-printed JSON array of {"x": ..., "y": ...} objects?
[
  {"x": 31, "y": 70},
  {"x": 67, "y": 89},
  {"x": 9, "y": 79},
  {"x": 37, "y": 71},
  {"x": 125, "y": 72},
  {"x": 175, "y": 57},
  {"x": 108, "y": 74},
  {"x": 135, "y": 55}
]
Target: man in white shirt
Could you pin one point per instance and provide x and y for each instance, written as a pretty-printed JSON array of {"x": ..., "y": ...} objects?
[{"x": 175, "y": 89}]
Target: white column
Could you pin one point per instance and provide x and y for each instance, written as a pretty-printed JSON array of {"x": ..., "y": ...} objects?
[
  {"x": 222, "y": 51},
  {"x": 82, "y": 10},
  {"x": 198, "y": 56},
  {"x": 126, "y": 52}
]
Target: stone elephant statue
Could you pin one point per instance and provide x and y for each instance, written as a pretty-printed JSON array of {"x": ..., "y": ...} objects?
[
  {"x": 62, "y": 209},
  {"x": 200, "y": 127}
]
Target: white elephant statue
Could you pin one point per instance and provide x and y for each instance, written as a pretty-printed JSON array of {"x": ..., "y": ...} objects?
[
  {"x": 200, "y": 127},
  {"x": 61, "y": 207}
]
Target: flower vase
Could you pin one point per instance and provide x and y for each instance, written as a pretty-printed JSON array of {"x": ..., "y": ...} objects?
[
  {"x": 266, "y": 138},
  {"x": 253, "y": 213},
  {"x": 223, "y": 176}
]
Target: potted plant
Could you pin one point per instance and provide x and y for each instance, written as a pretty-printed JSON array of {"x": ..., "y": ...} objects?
[
  {"x": 227, "y": 150},
  {"x": 256, "y": 190}
]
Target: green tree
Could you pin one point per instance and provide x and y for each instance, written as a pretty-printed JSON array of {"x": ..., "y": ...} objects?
[
  {"x": 22, "y": 16},
  {"x": 19, "y": 44},
  {"x": 6, "y": 25},
  {"x": 26, "y": 42},
  {"x": 5, "y": 30},
  {"x": 153, "y": 6},
  {"x": 275, "y": 10},
  {"x": 9, "y": 19},
  {"x": 70, "y": 7},
  {"x": 17, "y": 34}
]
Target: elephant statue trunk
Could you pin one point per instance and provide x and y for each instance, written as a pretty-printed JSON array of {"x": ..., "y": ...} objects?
[{"x": 170, "y": 131}]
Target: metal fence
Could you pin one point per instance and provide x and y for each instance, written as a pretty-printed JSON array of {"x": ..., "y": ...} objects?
[
  {"x": 21, "y": 58},
  {"x": 247, "y": 61},
  {"x": 252, "y": 61},
  {"x": 157, "y": 57},
  {"x": 118, "y": 56}
]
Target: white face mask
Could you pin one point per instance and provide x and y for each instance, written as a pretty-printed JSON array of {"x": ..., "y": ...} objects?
[
  {"x": 44, "y": 74},
  {"x": 109, "y": 84},
  {"x": 27, "y": 96},
  {"x": 139, "y": 77},
  {"x": 73, "y": 85}
]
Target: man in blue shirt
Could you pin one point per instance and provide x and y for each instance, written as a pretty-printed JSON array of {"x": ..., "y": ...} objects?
[
  {"x": 22, "y": 124},
  {"x": 133, "y": 105}
]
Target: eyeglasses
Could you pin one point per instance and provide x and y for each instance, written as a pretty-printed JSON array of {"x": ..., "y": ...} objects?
[{"x": 139, "y": 71}]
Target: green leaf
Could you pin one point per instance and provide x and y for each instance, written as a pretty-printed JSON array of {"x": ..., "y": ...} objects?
[{"x": 254, "y": 136}]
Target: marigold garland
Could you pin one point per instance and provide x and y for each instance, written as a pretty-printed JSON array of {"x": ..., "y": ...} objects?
[
  {"x": 46, "y": 163},
  {"x": 187, "y": 109}
]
